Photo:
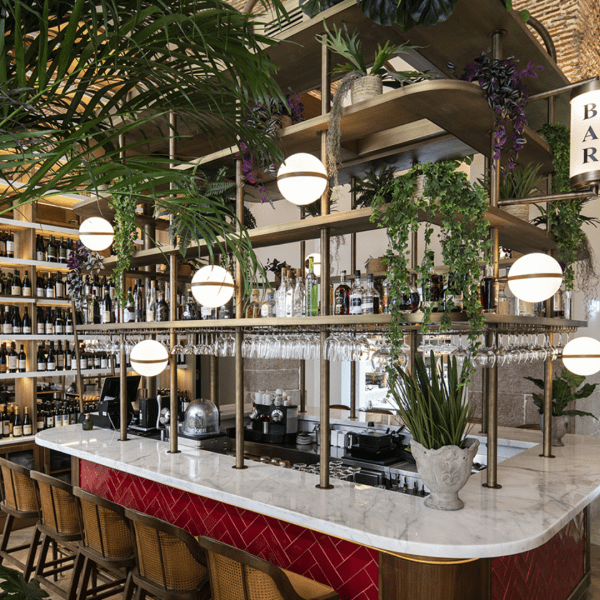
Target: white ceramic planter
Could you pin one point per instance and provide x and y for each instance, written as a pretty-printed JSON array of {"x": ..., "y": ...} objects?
[
  {"x": 445, "y": 471},
  {"x": 559, "y": 428}
]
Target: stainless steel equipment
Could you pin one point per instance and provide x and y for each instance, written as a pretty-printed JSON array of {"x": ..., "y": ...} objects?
[{"x": 273, "y": 424}]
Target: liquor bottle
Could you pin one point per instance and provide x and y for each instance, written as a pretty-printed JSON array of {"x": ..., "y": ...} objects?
[
  {"x": 10, "y": 245},
  {"x": 51, "y": 251},
  {"x": 370, "y": 298},
  {"x": 162, "y": 310},
  {"x": 22, "y": 366},
  {"x": 27, "y": 426},
  {"x": 16, "y": 289},
  {"x": 68, "y": 357},
  {"x": 489, "y": 291},
  {"x": 289, "y": 294},
  {"x": 432, "y": 287},
  {"x": 311, "y": 293},
  {"x": 17, "y": 425},
  {"x": 129, "y": 312},
  {"x": 225, "y": 310},
  {"x": 268, "y": 307},
  {"x": 299, "y": 298},
  {"x": 281, "y": 294},
  {"x": 59, "y": 286},
  {"x": 17, "y": 324},
  {"x": 356, "y": 293},
  {"x": 40, "y": 288},
  {"x": 151, "y": 303},
  {"x": 60, "y": 358},
  {"x": 96, "y": 287},
  {"x": 505, "y": 300},
  {"x": 62, "y": 252},
  {"x": 138, "y": 301},
  {"x": 26, "y": 288},
  {"x": 41, "y": 359},
  {"x": 341, "y": 304},
  {"x": 253, "y": 307},
  {"x": 106, "y": 310},
  {"x": 40, "y": 248},
  {"x": 26, "y": 321},
  {"x": 69, "y": 323},
  {"x": 523, "y": 308},
  {"x": 189, "y": 309},
  {"x": 7, "y": 323},
  {"x": 51, "y": 360}
]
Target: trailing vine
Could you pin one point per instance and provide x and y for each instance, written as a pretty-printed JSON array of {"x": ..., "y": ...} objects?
[
  {"x": 125, "y": 236},
  {"x": 565, "y": 216},
  {"x": 81, "y": 262},
  {"x": 461, "y": 207}
]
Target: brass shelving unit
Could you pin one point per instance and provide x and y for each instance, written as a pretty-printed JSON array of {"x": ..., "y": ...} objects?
[{"x": 427, "y": 121}]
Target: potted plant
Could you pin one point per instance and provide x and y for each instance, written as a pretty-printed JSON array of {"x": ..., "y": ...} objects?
[
  {"x": 14, "y": 586},
  {"x": 436, "y": 412},
  {"x": 361, "y": 81},
  {"x": 566, "y": 388}
]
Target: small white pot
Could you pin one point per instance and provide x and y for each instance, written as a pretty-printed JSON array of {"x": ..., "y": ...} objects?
[{"x": 445, "y": 472}]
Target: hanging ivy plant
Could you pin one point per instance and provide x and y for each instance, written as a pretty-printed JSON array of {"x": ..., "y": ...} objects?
[
  {"x": 564, "y": 216},
  {"x": 81, "y": 262},
  {"x": 461, "y": 207}
]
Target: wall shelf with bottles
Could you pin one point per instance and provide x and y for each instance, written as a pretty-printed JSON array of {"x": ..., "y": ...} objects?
[
  {"x": 40, "y": 337},
  {"x": 7, "y": 262},
  {"x": 69, "y": 373},
  {"x": 40, "y": 228}
]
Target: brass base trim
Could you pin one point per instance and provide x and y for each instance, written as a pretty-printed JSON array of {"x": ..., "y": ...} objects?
[
  {"x": 549, "y": 456},
  {"x": 173, "y": 451},
  {"x": 497, "y": 486},
  {"x": 238, "y": 469},
  {"x": 329, "y": 487},
  {"x": 428, "y": 560}
]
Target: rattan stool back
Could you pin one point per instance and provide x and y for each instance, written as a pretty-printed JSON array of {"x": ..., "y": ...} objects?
[
  {"x": 169, "y": 562},
  {"x": 237, "y": 575},
  {"x": 18, "y": 502}
]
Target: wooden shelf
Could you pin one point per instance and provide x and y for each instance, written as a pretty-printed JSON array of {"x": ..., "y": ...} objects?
[
  {"x": 28, "y": 337},
  {"x": 42, "y": 265},
  {"x": 69, "y": 373},
  {"x": 40, "y": 228},
  {"x": 514, "y": 233}
]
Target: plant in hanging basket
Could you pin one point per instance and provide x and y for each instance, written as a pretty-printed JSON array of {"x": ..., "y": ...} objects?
[{"x": 502, "y": 82}]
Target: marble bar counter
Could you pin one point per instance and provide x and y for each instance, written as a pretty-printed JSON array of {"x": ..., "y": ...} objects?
[{"x": 538, "y": 498}]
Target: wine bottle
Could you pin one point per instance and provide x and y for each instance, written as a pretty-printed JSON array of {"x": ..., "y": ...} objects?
[
  {"x": 13, "y": 360},
  {"x": 129, "y": 312},
  {"x": 60, "y": 358},
  {"x": 162, "y": 311},
  {"x": 27, "y": 424},
  {"x": 41, "y": 359},
  {"x": 7, "y": 323},
  {"x": 68, "y": 357},
  {"x": 2, "y": 244},
  {"x": 16, "y": 288},
  {"x": 40, "y": 287},
  {"x": 26, "y": 289},
  {"x": 26, "y": 322},
  {"x": 41, "y": 321},
  {"x": 5, "y": 422},
  {"x": 40, "y": 248},
  {"x": 59, "y": 287},
  {"x": 51, "y": 251},
  {"x": 10, "y": 245},
  {"x": 69, "y": 323},
  {"x": 62, "y": 252},
  {"x": 17, "y": 424},
  {"x": 22, "y": 360},
  {"x": 51, "y": 360},
  {"x": 50, "y": 322},
  {"x": 151, "y": 303},
  {"x": 59, "y": 323},
  {"x": 16, "y": 321},
  {"x": 3, "y": 359},
  {"x": 57, "y": 416}
]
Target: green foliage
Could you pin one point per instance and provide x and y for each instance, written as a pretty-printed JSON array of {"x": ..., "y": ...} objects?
[
  {"x": 520, "y": 182},
  {"x": 127, "y": 66},
  {"x": 436, "y": 413},
  {"x": 14, "y": 587},
  {"x": 370, "y": 186},
  {"x": 565, "y": 216},
  {"x": 459, "y": 206},
  {"x": 565, "y": 389},
  {"x": 346, "y": 44}
]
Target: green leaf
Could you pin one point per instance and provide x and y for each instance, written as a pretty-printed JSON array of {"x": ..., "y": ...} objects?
[
  {"x": 508, "y": 4},
  {"x": 380, "y": 11},
  {"x": 428, "y": 12},
  {"x": 579, "y": 413},
  {"x": 16, "y": 588},
  {"x": 538, "y": 382},
  {"x": 525, "y": 15}
]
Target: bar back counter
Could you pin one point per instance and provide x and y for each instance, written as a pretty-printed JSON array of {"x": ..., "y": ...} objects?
[{"x": 529, "y": 539}]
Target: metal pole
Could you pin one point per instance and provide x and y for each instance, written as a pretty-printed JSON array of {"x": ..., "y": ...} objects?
[
  {"x": 214, "y": 380},
  {"x": 174, "y": 407},
  {"x": 492, "y": 377},
  {"x": 325, "y": 207},
  {"x": 484, "y": 400},
  {"x": 239, "y": 332},
  {"x": 302, "y": 373},
  {"x": 76, "y": 343},
  {"x": 123, "y": 390},
  {"x": 353, "y": 364}
]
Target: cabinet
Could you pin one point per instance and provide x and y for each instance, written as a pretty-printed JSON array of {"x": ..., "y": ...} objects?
[{"x": 427, "y": 121}]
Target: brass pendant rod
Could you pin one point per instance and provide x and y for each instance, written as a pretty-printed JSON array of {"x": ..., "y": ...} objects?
[
  {"x": 123, "y": 390},
  {"x": 547, "y": 198},
  {"x": 561, "y": 90},
  {"x": 76, "y": 343}
]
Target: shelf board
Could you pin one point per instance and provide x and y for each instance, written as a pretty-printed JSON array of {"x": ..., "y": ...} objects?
[
  {"x": 458, "y": 40},
  {"x": 36, "y": 338},
  {"x": 17, "y": 300},
  {"x": 53, "y": 302},
  {"x": 514, "y": 233},
  {"x": 373, "y": 320},
  {"x": 42, "y": 265},
  {"x": 70, "y": 373},
  {"x": 40, "y": 228}
]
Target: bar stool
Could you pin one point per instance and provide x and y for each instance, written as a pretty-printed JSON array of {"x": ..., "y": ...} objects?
[
  {"x": 59, "y": 525},
  {"x": 107, "y": 543},
  {"x": 19, "y": 502},
  {"x": 170, "y": 565},
  {"x": 237, "y": 575}
]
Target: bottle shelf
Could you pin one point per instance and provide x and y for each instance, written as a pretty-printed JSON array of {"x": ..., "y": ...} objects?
[
  {"x": 40, "y": 228},
  {"x": 69, "y": 373},
  {"x": 42, "y": 265},
  {"x": 40, "y": 337},
  {"x": 35, "y": 300}
]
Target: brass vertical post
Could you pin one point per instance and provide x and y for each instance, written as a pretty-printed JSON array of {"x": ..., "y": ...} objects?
[
  {"x": 353, "y": 365},
  {"x": 324, "y": 364},
  {"x": 214, "y": 380},
  {"x": 76, "y": 344},
  {"x": 547, "y": 433},
  {"x": 302, "y": 373},
  {"x": 123, "y": 390},
  {"x": 492, "y": 376},
  {"x": 174, "y": 407},
  {"x": 149, "y": 383},
  {"x": 239, "y": 332}
]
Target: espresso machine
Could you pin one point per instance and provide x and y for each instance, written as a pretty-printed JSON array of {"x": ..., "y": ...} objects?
[{"x": 273, "y": 423}]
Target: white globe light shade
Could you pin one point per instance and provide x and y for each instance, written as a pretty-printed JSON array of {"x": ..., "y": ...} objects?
[
  {"x": 149, "y": 358},
  {"x": 96, "y": 233},
  {"x": 535, "y": 277},
  {"x": 582, "y": 356},
  {"x": 212, "y": 286},
  {"x": 316, "y": 263},
  {"x": 302, "y": 178}
]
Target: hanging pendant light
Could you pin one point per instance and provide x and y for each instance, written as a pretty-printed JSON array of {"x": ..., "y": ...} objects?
[
  {"x": 302, "y": 179},
  {"x": 212, "y": 286},
  {"x": 582, "y": 356},
  {"x": 585, "y": 135},
  {"x": 96, "y": 233},
  {"x": 535, "y": 277},
  {"x": 149, "y": 358}
]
